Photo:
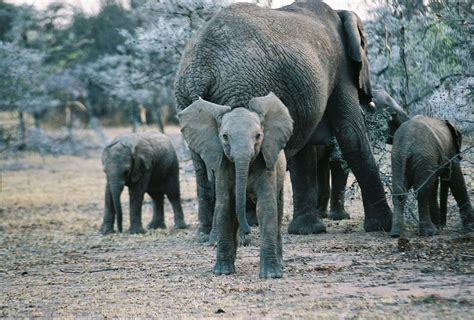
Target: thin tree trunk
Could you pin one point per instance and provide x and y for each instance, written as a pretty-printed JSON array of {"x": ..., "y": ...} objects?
[
  {"x": 94, "y": 124},
  {"x": 22, "y": 130}
]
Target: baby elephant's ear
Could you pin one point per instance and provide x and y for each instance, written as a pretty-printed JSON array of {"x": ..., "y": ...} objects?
[
  {"x": 457, "y": 137},
  {"x": 277, "y": 125},
  {"x": 142, "y": 154},
  {"x": 200, "y": 130}
]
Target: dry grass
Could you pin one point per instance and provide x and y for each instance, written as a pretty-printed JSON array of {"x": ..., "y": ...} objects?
[{"x": 53, "y": 262}]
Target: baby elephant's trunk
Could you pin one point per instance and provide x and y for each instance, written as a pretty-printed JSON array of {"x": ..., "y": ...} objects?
[{"x": 241, "y": 175}]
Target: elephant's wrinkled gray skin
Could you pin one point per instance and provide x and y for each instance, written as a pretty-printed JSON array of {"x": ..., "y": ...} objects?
[
  {"x": 314, "y": 60},
  {"x": 421, "y": 154},
  {"x": 336, "y": 192},
  {"x": 243, "y": 148},
  {"x": 145, "y": 163}
]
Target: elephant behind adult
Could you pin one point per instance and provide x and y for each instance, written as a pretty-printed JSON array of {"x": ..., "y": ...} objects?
[
  {"x": 327, "y": 167},
  {"x": 314, "y": 60},
  {"x": 426, "y": 150}
]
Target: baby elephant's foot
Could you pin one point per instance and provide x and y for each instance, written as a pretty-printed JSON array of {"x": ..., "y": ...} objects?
[
  {"x": 157, "y": 225},
  {"x": 106, "y": 229},
  {"x": 180, "y": 225},
  {"x": 270, "y": 269},
  {"x": 224, "y": 267},
  {"x": 339, "y": 215},
  {"x": 202, "y": 234},
  {"x": 396, "y": 231},
  {"x": 427, "y": 229},
  {"x": 136, "y": 230}
]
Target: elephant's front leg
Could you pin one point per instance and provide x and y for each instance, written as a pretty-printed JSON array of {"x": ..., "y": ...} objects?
[
  {"x": 136, "y": 201},
  {"x": 109, "y": 213},
  {"x": 305, "y": 199},
  {"x": 270, "y": 238},
  {"x": 206, "y": 198},
  {"x": 158, "y": 219},
  {"x": 226, "y": 227},
  {"x": 425, "y": 189}
]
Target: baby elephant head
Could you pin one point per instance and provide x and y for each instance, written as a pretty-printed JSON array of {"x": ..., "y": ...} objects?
[{"x": 240, "y": 134}]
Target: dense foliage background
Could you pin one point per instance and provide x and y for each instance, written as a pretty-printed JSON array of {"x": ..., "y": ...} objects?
[{"x": 62, "y": 68}]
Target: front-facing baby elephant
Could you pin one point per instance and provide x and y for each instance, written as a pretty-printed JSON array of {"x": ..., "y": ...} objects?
[
  {"x": 426, "y": 150},
  {"x": 145, "y": 163},
  {"x": 242, "y": 148}
]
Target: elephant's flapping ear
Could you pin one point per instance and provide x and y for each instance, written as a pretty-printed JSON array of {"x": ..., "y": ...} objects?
[
  {"x": 199, "y": 125},
  {"x": 457, "y": 137},
  {"x": 357, "y": 46},
  {"x": 277, "y": 125},
  {"x": 142, "y": 155}
]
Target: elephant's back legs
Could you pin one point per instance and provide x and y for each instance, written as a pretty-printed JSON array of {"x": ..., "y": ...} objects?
[
  {"x": 425, "y": 186},
  {"x": 303, "y": 173}
]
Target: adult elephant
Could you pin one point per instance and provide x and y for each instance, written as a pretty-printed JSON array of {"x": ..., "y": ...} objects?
[
  {"x": 314, "y": 59},
  {"x": 327, "y": 167}
]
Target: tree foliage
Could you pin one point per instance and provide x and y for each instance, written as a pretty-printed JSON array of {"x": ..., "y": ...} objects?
[{"x": 417, "y": 48}]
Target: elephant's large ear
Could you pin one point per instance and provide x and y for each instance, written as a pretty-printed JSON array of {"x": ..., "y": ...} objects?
[
  {"x": 199, "y": 125},
  {"x": 357, "y": 45},
  {"x": 457, "y": 137},
  {"x": 142, "y": 155},
  {"x": 277, "y": 125}
]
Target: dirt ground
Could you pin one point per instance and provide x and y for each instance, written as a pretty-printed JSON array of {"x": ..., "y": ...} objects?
[{"x": 54, "y": 263}]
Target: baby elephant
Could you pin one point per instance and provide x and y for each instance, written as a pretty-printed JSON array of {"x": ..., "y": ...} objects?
[
  {"x": 426, "y": 150},
  {"x": 144, "y": 162},
  {"x": 242, "y": 151}
]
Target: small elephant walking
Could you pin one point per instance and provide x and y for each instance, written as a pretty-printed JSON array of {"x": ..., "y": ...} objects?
[
  {"x": 145, "y": 163},
  {"x": 254, "y": 165},
  {"x": 424, "y": 151}
]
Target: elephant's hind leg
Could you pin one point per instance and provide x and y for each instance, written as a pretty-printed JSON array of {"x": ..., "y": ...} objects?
[
  {"x": 305, "y": 199},
  {"x": 338, "y": 191},
  {"x": 425, "y": 188},
  {"x": 324, "y": 189},
  {"x": 459, "y": 191},
  {"x": 348, "y": 123},
  {"x": 173, "y": 194},
  {"x": 434, "y": 205}
]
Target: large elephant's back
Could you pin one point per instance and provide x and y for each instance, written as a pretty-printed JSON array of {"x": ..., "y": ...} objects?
[{"x": 247, "y": 51}]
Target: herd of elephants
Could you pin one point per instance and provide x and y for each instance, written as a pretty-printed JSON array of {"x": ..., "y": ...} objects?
[{"x": 263, "y": 91}]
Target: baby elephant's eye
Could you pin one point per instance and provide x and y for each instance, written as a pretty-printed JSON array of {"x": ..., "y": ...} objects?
[
  {"x": 258, "y": 136},
  {"x": 225, "y": 137}
]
